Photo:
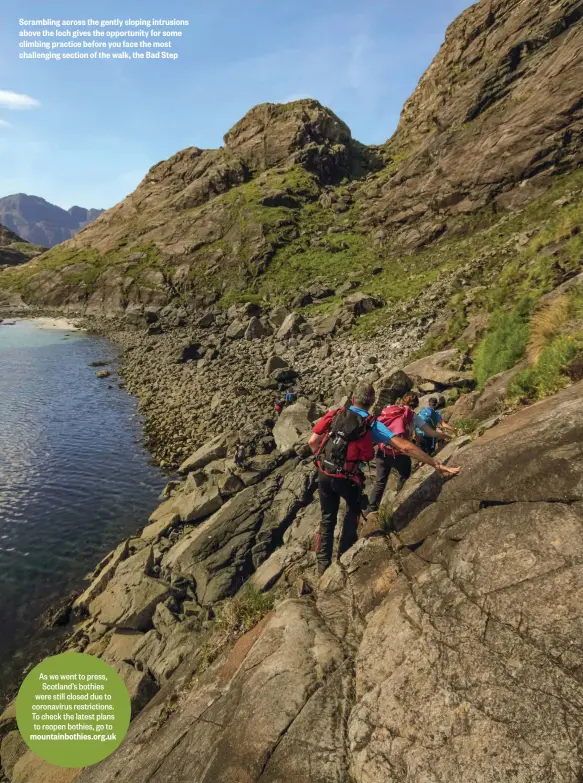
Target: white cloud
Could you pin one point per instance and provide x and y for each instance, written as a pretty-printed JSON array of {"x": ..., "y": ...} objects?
[
  {"x": 4, "y": 124},
  {"x": 14, "y": 100}
]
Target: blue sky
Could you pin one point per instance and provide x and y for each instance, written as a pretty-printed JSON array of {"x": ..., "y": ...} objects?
[{"x": 98, "y": 126}]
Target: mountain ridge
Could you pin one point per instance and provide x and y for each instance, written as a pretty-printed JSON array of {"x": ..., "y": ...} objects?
[
  {"x": 493, "y": 128},
  {"x": 40, "y": 222}
]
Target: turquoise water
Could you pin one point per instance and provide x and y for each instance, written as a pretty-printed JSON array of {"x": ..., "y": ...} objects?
[{"x": 74, "y": 478}]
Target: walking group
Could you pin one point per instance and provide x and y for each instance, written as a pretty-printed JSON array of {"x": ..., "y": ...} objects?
[{"x": 344, "y": 440}]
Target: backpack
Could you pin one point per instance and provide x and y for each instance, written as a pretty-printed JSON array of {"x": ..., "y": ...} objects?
[
  {"x": 429, "y": 417},
  {"x": 347, "y": 427},
  {"x": 392, "y": 413},
  {"x": 290, "y": 397}
]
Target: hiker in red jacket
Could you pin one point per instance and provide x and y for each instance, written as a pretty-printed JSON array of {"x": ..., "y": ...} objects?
[
  {"x": 343, "y": 440},
  {"x": 402, "y": 420}
]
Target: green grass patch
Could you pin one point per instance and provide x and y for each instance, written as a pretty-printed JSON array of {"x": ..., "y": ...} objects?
[
  {"x": 466, "y": 426},
  {"x": 234, "y": 618},
  {"x": 550, "y": 374},
  {"x": 503, "y": 345}
]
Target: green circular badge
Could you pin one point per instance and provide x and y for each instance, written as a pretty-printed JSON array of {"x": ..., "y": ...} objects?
[{"x": 73, "y": 710}]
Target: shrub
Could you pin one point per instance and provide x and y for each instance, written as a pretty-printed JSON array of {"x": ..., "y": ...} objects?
[
  {"x": 503, "y": 345},
  {"x": 234, "y": 618},
  {"x": 551, "y": 372},
  {"x": 546, "y": 324},
  {"x": 466, "y": 426}
]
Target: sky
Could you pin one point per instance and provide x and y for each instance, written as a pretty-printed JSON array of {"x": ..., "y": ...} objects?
[{"x": 86, "y": 132}]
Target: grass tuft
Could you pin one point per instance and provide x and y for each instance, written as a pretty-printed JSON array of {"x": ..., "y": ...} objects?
[
  {"x": 546, "y": 324},
  {"x": 503, "y": 345},
  {"x": 234, "y": 618}
]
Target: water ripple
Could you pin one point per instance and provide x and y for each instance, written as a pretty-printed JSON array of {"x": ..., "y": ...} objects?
[{"x": 73, "y": 478}]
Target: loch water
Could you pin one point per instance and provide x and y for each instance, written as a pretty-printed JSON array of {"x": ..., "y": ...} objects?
[{"x": 74, "y": 478}]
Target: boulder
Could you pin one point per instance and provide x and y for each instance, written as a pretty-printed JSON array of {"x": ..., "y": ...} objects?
[
  {"x": 140, "y": 684},
  {"x": 278, "y": 315},
  {"x": 492, "y": 399},
  {"x": 199, "y": 504},
  {"x": 256, "y": 330},
  {"x": 130, "y": 599},
  {"x": 216, "y": 448},
  {"x": 105, "y": 572},
  {"x": 326, "y": 326},
  {"x": 464, "y": 407},
  {"x": 319, "y": 291},
  {"x": 360, "y": 304},
  {"x": 162, "y": 655},
  {"x": 121, "y": 646},
  {"x": 187, "y": 352},
  {"x": 160, "y": 527},
  {"x": 206, "y": 320},
  {"x": 441, "y": 368},
  {"x": 275, "y": 363},
  {"x": 290, "y": 327},
  {"x": 293, "y": 424},
  {"x": 390, "y": 387},
  {"x": 284, "y": 374},
  {"x": 237, "y": 329}
]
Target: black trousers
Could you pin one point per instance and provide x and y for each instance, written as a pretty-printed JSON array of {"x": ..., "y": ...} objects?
[
  {"x": 427, "y": 444},
  {"x": 331, "y": 490},
  {"x": 384, "y": 464}
]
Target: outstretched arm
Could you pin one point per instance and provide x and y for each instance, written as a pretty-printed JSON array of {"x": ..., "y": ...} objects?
[
  {"x": 413, "y": 451},
  {"x": 428, "y": 430}
]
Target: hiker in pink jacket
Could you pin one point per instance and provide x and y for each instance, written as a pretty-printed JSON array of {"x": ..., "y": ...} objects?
[{"x": 401, "y": 420}]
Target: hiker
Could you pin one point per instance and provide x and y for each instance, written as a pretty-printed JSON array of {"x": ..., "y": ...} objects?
[
  {"x": 431, "y": 416},
  {"x": 289, "y": 399},
  {"x": 342, "y": 441},
  {"x": 240, "y": 454},
  {"x": 401, "y": 420}
]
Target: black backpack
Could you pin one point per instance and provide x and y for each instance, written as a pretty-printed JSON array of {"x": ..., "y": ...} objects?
[{"x": 346, "y": 428}]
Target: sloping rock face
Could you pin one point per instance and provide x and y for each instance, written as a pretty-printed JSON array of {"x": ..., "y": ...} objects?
[
  {"x": 14, "y": 250},
  {"x": 276, "y": 159},
  {"x": 497, "y": 113},
  {"x": 450, "y": 653},
  {"x": 493, "y": 121}
]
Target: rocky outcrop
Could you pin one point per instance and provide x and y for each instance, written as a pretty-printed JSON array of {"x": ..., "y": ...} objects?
[
  {"x": 468, "y": 623},
  {"x": 14, "y": 250},
  {"x": 493, "y": 121}
]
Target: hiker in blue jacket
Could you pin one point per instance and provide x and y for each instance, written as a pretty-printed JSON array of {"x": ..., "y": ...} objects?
[{"x": 431, "y": 416}]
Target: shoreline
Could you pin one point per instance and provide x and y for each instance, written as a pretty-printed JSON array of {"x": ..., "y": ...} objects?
[{"x": 54, "y": 620}]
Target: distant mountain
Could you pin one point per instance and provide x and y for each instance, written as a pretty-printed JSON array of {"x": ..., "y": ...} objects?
[
  {"x": 14, "y": 250},
  {"x": 42, "y": 223}
]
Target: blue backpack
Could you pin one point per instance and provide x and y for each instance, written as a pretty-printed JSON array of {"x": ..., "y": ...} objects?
[
  {"x": 290, "y": 397},
  {"x": 429, "y": 416}
]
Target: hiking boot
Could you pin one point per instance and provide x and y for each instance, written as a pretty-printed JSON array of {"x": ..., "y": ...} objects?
[{"x": 323, "y": 566}]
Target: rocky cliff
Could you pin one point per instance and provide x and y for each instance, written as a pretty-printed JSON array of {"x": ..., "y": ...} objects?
[
  {"x": 448, "y": 650},
  {"x": 444, "y": 646},
  {"x": 14, "y": 250},
  {"x": 484, "y": 161},
  {"x": 43, "y": 223}
]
